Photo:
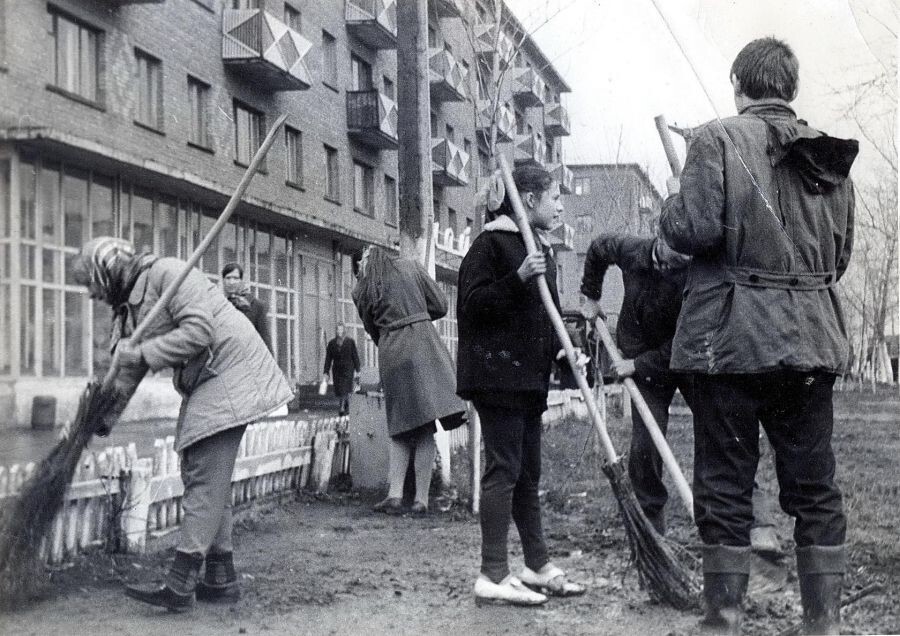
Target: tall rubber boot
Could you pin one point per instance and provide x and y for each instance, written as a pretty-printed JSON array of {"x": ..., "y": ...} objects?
[
  {"x": 219, "y": 582},
  {"x": 726, "y": 571},
  {"x": 177, "y": 593},
  {"x": 821, "y": 572}
]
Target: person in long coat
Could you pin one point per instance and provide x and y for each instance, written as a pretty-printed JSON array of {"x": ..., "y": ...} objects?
[
  {"x": 397, "y": 300},
  {"x": 238, "y": 291},
  {"x": 227, "y": 379},
  {"x": 342, "y": 361}
]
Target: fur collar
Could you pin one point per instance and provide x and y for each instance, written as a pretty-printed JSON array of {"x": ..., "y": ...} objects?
[{"x": 504, "y": 223}]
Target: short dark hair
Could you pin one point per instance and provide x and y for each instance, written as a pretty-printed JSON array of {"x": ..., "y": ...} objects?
[
  {"x": 767, "y": 68},
  {"x": 230, "y": 267},
  {"x": 528, "y": 178}
]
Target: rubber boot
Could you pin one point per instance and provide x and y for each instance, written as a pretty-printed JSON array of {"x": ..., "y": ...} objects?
[
  {"x": 726, "y": 571},
  {"x": 219, "y": 582},
  {"x": 821, "y": 573},
  {"x": 177, "y": 593}
]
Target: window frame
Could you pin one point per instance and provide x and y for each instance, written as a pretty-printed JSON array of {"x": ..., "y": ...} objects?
[
  {"x": 260, "y": 133},
  {"x": 203, "y": 141},
  {"x": 332, "y": 174},
  {"x": 95, "y": 57},
  {"x": 368, "y": 192},
  {"x": 294, "y": 156},
  {"x": 153, "y": 65}
]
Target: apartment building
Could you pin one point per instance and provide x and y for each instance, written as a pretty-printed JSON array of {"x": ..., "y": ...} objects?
[
  {"x": 138, "y": 119},
  {"x": 605, "y": 198}
]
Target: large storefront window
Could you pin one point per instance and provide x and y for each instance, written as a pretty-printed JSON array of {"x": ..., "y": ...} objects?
[
  {"x": 447, "y": 326},
  {"x": 58, "y": 331}
]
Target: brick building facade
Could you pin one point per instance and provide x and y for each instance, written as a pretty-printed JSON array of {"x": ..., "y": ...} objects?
[{"x": 138, "y": 119}]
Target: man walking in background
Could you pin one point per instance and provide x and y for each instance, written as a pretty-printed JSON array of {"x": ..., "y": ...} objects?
[{"x": 342, "y": 361}]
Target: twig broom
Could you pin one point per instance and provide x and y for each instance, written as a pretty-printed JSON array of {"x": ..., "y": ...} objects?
[
  {"x": 665, "y": 579},
  {"x": 25, "y": 522}
]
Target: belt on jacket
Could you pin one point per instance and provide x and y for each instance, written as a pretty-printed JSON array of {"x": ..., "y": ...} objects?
[
  {"x": 409, "y": 320},
  {"x": 778, "y": 280}
]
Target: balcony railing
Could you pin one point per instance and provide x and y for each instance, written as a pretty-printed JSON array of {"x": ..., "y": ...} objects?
[
  {"x": 530, "y": 149},
  {"x": 487, "y": 44},
  {"x": 374, "y": 22},
  {"x": 372, "y": 119},
  {"x": 556, "y": 121},
  {"x": 528, "y": 87},
  {"x": 264, "y": 50},
  {"x": 448, "y": 77},
  {"x": 445, "y": 8},
  {"x": 117, "y": 3},
  {"x": 564, "y": 176},
  {"x": 505, "y": 117},
  {"x": 562, "y": 237},
  {"x": 449, "y": 163}
]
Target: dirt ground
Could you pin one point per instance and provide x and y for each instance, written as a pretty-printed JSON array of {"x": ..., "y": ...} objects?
[{"x": 312, "y": 566}]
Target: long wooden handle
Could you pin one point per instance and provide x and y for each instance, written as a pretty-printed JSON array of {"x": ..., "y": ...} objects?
[
  {"x": 663, "y": 129},
  {"x": 558, "y": 325},
  {"x": 659, "y": 440},
  {"x": 214, "y": 231}
]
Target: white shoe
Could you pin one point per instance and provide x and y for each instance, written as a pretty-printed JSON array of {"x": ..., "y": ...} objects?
[
  {"x": 550, "y": 580},
  {"x": 509, "y": 591}
]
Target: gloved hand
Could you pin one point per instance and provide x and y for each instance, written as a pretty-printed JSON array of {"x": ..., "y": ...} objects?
[{"x": 623, "y": 368}]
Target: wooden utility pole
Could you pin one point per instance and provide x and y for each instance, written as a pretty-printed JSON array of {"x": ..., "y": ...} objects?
[{"x": 414, "y": 123}]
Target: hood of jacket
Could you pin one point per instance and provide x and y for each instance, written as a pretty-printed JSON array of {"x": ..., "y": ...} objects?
[{"x": 822, "y": 161}]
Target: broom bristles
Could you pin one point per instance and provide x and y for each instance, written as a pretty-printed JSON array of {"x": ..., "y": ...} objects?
[
  {"x": 27, "y": 520},
  {"x": 659, "y": 570}
]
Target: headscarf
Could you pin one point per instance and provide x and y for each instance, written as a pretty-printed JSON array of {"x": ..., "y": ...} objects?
[{"x": 113, "y": 267}]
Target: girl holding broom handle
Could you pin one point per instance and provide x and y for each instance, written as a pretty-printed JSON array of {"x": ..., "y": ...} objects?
[
  {"x": 506, "y": 350},
  {"x": 227, "y": 379}
]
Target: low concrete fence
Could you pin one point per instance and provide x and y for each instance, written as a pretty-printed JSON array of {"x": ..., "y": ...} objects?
[{"x": 120, "y": 500}]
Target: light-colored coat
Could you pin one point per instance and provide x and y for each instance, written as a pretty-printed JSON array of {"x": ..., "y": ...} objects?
[{"x": 223, "y": 370}]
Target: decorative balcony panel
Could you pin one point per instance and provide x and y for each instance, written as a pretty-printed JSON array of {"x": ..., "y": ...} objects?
[
  {"x": 505, "y": 117},
  {"x": 264, "y": 50},
  {"x": 374, "y": 22},
  {"x": 530, "y": 149},
  {"x": 449, "y": 163},
  {"x": 528, "y": 87},
  {"x": 564, "y": 176},
  {"x": 117, "y": 3},
  {"x": 556, "y": 121},
  {"x": 448, "y": 77},
  {"x": 487, "y": 44},
  {"x": 445, "y": 8},
  {"x": 372, "y": 119},
  {"x": 562, "y": 237}
]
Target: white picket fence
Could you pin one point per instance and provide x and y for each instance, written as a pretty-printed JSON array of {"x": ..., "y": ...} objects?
[{"x": 115, "y": 495}]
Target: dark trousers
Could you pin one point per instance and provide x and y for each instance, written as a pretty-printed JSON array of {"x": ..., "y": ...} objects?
[
  {"x": 509, "y": 488},
  {"x": 795, "y": 410},
  {"x": 343, "y": 404}
]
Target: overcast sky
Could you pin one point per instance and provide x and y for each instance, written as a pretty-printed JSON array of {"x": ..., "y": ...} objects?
[{"x": 624, "y": 66}]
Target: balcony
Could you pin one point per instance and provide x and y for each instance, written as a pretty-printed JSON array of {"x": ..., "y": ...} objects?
[
  {"x": 449, "y": 164},
  {"x": 556, "y": 121},
  {"x": 530, "y": 149},
  {"x": 264, "y": 50},
  {"x": 445, "y": 8},
  {"x": 448, "y": 77},
  {"x": 506, "y": 121},
  {"x": 562, "y": 237},
  {"x": 528, "y": 87},
  {"x": 564, "y": 176},
  {"x": 487, "y": 45},
  {"x": 117, "y": 3},
  {"x": 373, "y": 22},
  {"x": 372, "y": 119}
]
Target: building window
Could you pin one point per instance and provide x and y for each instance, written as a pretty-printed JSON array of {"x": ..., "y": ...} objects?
[
  {"x": 363, "y": 189},
  {"x": 434, "y": 125},
  {"x": 149, "y": 90},
  {"x": 198, "y": 99},
  {"x": 582, "y": 186},
  {"x": 390, "y": 201},
  {"x": 432, "y": 38},
  {"x": 332, "y": 174},
  {"x": 329, "y": 60},
  {"x": 293, "y": 141},
  {"x": 389, "y": 90},
  {"x": 248, "y": 132},
  {"x": 245, "y": 4},
  {"x": 451, "y": 133},
  {"x": 292, "y": 18},
  {"x": 484, "y": 163},
  {"x": 360, "y": 74},
  {"x": 76, "y": 57},
  {"x": 452, "y": 220}
]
